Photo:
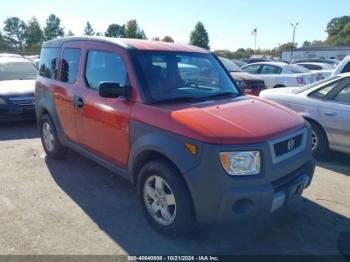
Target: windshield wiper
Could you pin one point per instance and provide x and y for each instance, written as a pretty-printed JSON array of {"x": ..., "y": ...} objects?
[
  {"x": 229, "y": 93},
  {"x": 180, "y": 99}
]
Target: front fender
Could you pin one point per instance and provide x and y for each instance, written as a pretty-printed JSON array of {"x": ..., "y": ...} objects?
[{"x": 146, "y": 138}]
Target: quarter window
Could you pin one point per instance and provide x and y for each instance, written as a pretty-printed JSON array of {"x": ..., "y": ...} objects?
[
  {"x": 70, "y": 65},
  {"x": 48, "y": 62},
  {"x": 105, "y": 66}
]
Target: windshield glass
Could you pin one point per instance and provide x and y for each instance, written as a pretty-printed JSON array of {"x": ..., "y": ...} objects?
[
  {"x": 297, "y": 69},
  {"x": 229, "y": 65},
  {"x": 323, "y": 81},
  {"x": 17, "y": 71},
  {"x": 176, "y": 76}
]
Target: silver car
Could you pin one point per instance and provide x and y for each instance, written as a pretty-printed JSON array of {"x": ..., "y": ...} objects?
[{"x": 326, "y": 106}]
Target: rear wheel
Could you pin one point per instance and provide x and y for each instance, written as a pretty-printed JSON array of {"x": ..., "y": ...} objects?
[
  {"x": 165, "y": 199},
  {"x": 49, "y": 138},
  {"x": 319, "y": 140}
]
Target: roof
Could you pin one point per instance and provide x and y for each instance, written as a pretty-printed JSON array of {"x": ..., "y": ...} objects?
[
  {"x": 320, "y": 48},
  {"x": 145, "y": 45},
  {"x": 281, "y": 64}
]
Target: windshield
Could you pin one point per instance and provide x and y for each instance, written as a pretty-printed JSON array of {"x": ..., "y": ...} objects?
[
  {"x": 297, "y": 69},
  {"x": 323, "y": 81},
  {"x": 176, "y": 76},
  {"x": 17, "y": 71},
  {"x": 229, "y": 65}
]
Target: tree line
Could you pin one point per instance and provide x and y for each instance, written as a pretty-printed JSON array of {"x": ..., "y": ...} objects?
[
  {"x": 26, "y": 38},
  {"x": 338, "y": 30}
]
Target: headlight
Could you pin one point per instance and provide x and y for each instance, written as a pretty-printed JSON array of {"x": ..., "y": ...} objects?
[
  {"x": 243, "y": 163},
  {"x": 2, "y": 101},
  {"x": 241, "y": 83}
]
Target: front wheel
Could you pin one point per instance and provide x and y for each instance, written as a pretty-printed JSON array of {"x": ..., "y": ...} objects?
[
  {"x": 165, "y": 199},
  {"x": 319, "y": 140}
]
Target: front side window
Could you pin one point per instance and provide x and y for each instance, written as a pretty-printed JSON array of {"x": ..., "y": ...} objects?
[
  {"x": 48, "y": 62},
  {"x": 173, "y": 75},
  {"x": 70, "y": 65},
  {"x": 103, "y": 66},
  {"x": 343, "y": 96},
  {"x": 296, "y": 69},
  {"x": 270, "y": 70},
  {"x": 17, "y": 71}
]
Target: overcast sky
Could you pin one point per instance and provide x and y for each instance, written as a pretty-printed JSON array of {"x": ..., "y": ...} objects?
[{"x": 228, "y": 22}]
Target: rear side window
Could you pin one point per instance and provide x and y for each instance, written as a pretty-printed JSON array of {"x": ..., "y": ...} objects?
[
  {"x": 269, "y": 70},
  {"x": 343, "y": 96},
  {"x": 70, "y": 65},
  {"x": 105, "y": 66},
  {"x": 253, "y": 69},
  {"x": 48, "y": 62},
  {"x": 346, "y": 68},
  {"x": 311, "y": 66}
]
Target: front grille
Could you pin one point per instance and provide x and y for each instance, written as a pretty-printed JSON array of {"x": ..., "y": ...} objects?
[
  {"x": 23, "y": 100},
  {"x": 288, "y": 145}
]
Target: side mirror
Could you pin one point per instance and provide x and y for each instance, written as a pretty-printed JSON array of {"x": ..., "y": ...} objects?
[{"x": 113, "y": 90}]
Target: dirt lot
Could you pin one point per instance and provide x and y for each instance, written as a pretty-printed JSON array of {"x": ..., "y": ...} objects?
[{"x": 77, "y": 207}]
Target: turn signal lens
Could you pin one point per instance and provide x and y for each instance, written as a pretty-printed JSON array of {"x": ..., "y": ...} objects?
[{"x": 192, "y": 148}]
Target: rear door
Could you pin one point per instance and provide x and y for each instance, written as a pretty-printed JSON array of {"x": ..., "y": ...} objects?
[
  {"x": 103, "y": 123},
  {"x": 270, "y": 73},
  {"x": 69, "y": 64}
]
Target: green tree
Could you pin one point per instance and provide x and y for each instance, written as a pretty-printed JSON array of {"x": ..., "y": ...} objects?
[
  {"x": 338, "y": 30},
  {"x": 14, "y": 32},
  {"x": 88, "y": 30},
  {"x": 115, "y": 30},
  {"x": 99, "y": 34},
  {"x": 34, "y": 35},
  {"x": 306, "y": 44},
  {"x": 168, "y": 39},
  {"x": 53, "y": 27},
  {"x": 70, "y": 33},
  {"x": 133, "y": 30},
  {"x": 199, "y": 36}
]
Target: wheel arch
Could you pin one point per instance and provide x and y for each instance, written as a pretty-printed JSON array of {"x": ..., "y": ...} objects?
[{"x": 322, "y": 128}]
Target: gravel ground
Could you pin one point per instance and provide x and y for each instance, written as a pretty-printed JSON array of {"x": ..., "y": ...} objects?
[{"x": 76, "y": 207}]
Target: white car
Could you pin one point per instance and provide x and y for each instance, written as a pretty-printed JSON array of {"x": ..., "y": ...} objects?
[
  {"x": 325, "y": 105},
  {"x": 343, "y": 66},
  {"x": 279, "y": 74},
  {"x": 325, "y": 70}
]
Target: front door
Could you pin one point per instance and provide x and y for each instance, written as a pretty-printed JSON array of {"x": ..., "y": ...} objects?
[{"x": 103, "y": 123}]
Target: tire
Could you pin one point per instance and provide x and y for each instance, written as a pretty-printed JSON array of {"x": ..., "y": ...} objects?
[
  {"x": 49, "y": 138},
  {"x": 171, "y": 216},
  {"x": 319, "y": 140}
]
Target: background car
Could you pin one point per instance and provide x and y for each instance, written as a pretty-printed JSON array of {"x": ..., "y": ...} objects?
[
  {"x": 279, "y": 74},
  {"x": 343, "y": 67},
  {"x": 10, "y": 55},
  {"x": 239, "y": 63},
  {"x": 247, "y": 83},
  {"x": 333, "y": 62},
  {"x": 326, "y": 106},
  {"x": 17, "y": 80},
  {"x": 325, "y": 70}
]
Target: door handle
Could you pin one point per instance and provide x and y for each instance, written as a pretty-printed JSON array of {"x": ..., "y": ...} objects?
[
  {"x": 330, "y": 113},
  {"x": 80, "y": 102}
]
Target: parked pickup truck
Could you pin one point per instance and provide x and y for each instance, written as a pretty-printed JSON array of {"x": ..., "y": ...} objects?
[{"x": 197, "y": 150}]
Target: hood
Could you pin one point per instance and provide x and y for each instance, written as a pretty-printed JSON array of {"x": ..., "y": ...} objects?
[
  {"x": 230, "y": 121},
  {"x": 17, "y": 87},
  {"x": 245, "y": 76}
]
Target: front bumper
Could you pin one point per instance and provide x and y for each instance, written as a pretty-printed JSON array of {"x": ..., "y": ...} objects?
[
  {"x": 220, "y": 198},
  {"x": 9, "y": 113}
]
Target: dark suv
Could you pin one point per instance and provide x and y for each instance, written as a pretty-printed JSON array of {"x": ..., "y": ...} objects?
[{"x": 169, "y": 118}]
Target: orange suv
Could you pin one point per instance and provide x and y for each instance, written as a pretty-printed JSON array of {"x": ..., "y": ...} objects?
[{"x": 170, "y": 119}]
